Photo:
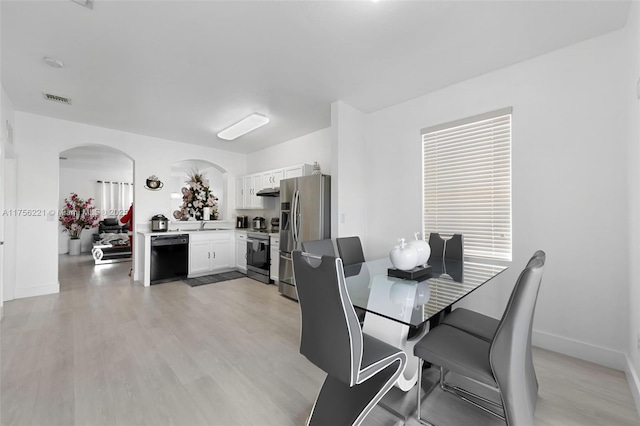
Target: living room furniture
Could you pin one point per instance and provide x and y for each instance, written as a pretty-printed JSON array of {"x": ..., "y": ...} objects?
[
  {"x": 502, "y": 364},
  {"x": 110, "y": 253},
  {"x": 402, "y": 309},
  {"x": 360, "y": 369}
]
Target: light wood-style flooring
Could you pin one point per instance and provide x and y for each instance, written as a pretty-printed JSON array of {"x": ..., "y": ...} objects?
[{"x": 107, "y": 351}]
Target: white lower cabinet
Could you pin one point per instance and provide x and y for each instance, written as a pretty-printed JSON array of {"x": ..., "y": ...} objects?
[
  {"x": 210, "y": 252},
  {"x": 275, "y": 258},
  {"x": 241, "y": 250}
]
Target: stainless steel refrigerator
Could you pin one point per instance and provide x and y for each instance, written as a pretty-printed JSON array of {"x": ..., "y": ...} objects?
[{"x": 305, "y": 215}]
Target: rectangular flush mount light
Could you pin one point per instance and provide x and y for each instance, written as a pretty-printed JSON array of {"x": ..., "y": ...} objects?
[{"x": 243, "y": 126}]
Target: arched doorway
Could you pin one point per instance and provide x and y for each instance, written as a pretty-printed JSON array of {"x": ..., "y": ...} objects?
[{"x": 105, "y": 175}]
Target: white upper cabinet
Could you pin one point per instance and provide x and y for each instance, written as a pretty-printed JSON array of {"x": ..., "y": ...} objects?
[
  {"x": 257, "y": 202},
  {"x": 297, "y": 171},
  {"x": 252, "y": 184},
  {"x": 240, "y": 192},
  {"x": 248, "y": 186},
  {"x": 272, "y": 178}
]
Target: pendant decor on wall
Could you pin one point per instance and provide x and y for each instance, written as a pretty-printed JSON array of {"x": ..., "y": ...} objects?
[{"x": 153, "y": 183}]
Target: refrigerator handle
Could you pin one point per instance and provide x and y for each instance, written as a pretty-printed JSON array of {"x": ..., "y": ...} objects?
[{"x": 294, "y": 217}]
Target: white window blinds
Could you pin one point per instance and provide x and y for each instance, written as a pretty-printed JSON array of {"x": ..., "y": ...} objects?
[{"x": 467, "y": 182}]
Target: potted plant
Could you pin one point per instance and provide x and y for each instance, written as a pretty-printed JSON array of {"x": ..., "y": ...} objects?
[{"x": 77, "y": 214}]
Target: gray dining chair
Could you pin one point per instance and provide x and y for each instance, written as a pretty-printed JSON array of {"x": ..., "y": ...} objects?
[
  {"x": 446, "y": 248},
  {"x": 475, "y": 323},
  {"x": 360, "y": 369},
  {"x": 350, "y": 250},
  {"x": 502, "y": 363},
  {"x": 319, "y": 247}
]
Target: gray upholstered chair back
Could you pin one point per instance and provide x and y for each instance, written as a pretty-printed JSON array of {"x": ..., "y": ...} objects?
[
  {"x": 450, "y": 248},
  {"x": 350, "y": 250},
  {"x": 331, "y": 335},
  {"x": 436, "y": 244},
  {"x": 511, "y": 366},
  {"x": 319, "y": 247}
]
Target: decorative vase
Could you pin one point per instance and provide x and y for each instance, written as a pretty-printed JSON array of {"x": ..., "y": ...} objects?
[
  {"x": 403, "y": 256},
  {"x": 422, "y": 247},
  {"x": 74, "y": 246},
  {"x": 206, "y": 213}
]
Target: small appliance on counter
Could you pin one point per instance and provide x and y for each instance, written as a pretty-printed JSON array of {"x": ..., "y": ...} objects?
[
  {"x": 275, "y": 224},
  {"x": 242, "y": 221},
  {"x": 159, "y": 223},
  {"x": 259, "y": 223}
]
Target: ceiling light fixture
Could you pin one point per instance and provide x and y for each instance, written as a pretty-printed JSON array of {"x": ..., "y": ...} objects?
[
  {"x": 243, "y": 126},
  {"x": 53, "y": 62},
  {"x": 85, "y": 3}
]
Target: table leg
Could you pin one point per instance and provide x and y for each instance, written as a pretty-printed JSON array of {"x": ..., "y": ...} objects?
[{"x": 401, "y": 399}]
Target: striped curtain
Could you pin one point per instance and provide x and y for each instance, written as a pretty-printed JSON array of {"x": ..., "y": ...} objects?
[{"x": 114, "y": 198}]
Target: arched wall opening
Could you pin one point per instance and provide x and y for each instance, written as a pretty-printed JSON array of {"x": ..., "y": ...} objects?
[{"x": 99, "y": 172}]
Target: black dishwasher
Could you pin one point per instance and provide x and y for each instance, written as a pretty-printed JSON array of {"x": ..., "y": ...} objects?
[{"x": 169, "y": 257}]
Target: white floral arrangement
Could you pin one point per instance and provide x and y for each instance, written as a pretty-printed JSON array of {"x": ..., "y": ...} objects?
[{"x": 195, "y": 197}]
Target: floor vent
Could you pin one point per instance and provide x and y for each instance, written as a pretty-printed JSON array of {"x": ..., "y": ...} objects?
[{"x": 56, "y": 98}]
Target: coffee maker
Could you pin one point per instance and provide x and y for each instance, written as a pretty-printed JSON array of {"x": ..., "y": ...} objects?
[{"x": 242, "y": 221}]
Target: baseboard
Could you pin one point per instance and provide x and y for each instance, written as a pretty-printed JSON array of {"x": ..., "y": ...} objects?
[
  {"x": 36, "y": 290},
  {"x": 634, "y": 382},
  {"x": 581, "y": 350}
]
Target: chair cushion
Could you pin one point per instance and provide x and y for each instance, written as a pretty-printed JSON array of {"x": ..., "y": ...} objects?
[
  {"x": 458, "y": 351},
  {"x": 376, "y": 355},
  {"x": 473, "y": 322}
]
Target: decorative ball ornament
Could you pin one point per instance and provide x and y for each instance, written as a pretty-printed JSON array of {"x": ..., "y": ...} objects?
[{"x": 403, "y": 256}]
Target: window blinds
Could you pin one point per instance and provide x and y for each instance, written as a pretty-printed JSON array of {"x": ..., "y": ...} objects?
[{"x": 467, "y": 182}]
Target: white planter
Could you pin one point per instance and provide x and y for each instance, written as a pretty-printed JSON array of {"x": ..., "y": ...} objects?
[{"x": 74, "y": 246}]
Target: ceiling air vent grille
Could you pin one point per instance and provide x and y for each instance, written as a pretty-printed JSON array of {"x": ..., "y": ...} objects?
[{"x": 56, "y": 98}]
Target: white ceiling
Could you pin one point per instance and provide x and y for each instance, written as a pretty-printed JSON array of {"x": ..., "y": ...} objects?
[{"x": 185, "y": 70}]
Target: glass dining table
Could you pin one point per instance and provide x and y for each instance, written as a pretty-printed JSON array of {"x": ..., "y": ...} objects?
[{"x": 400, "y": 311}]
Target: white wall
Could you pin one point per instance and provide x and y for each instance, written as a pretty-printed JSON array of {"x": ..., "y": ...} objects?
[
  {"x": 348, "y": 197},
  {"x": 38, "y": 145},
  {"x": 306, "y": 149},
  {"x": 569, "y": 186},
  {"x": 84, "y": 183},
  {"x": 7, "y": 198},
  {"x": 632, "y": 32}
]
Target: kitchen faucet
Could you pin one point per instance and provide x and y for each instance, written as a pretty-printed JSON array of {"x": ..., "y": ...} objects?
[{"x": 202, "y": 225}]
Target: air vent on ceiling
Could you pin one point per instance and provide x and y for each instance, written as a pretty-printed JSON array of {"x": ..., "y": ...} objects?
[{"x": 56, "y": 98}]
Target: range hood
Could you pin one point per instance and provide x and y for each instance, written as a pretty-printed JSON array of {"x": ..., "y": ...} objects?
[{"x": 269, "y": 192}]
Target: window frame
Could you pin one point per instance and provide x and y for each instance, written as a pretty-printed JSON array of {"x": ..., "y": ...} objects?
[{"x": 495, "y": 247}]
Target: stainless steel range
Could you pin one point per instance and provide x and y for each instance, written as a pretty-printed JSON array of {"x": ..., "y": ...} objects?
[{"x": 258, "y": 256}]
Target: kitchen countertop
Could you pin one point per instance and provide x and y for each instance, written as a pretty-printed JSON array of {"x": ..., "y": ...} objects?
[
  {"x": 196, "y": 231},
  {"x": 183, "y": 231}
]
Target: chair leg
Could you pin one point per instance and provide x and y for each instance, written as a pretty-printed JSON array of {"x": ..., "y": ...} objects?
[
  {"x": 419, "y": 385},
  {"x": 460, "y": 393},
  {"x": 341, "y": 404}
]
